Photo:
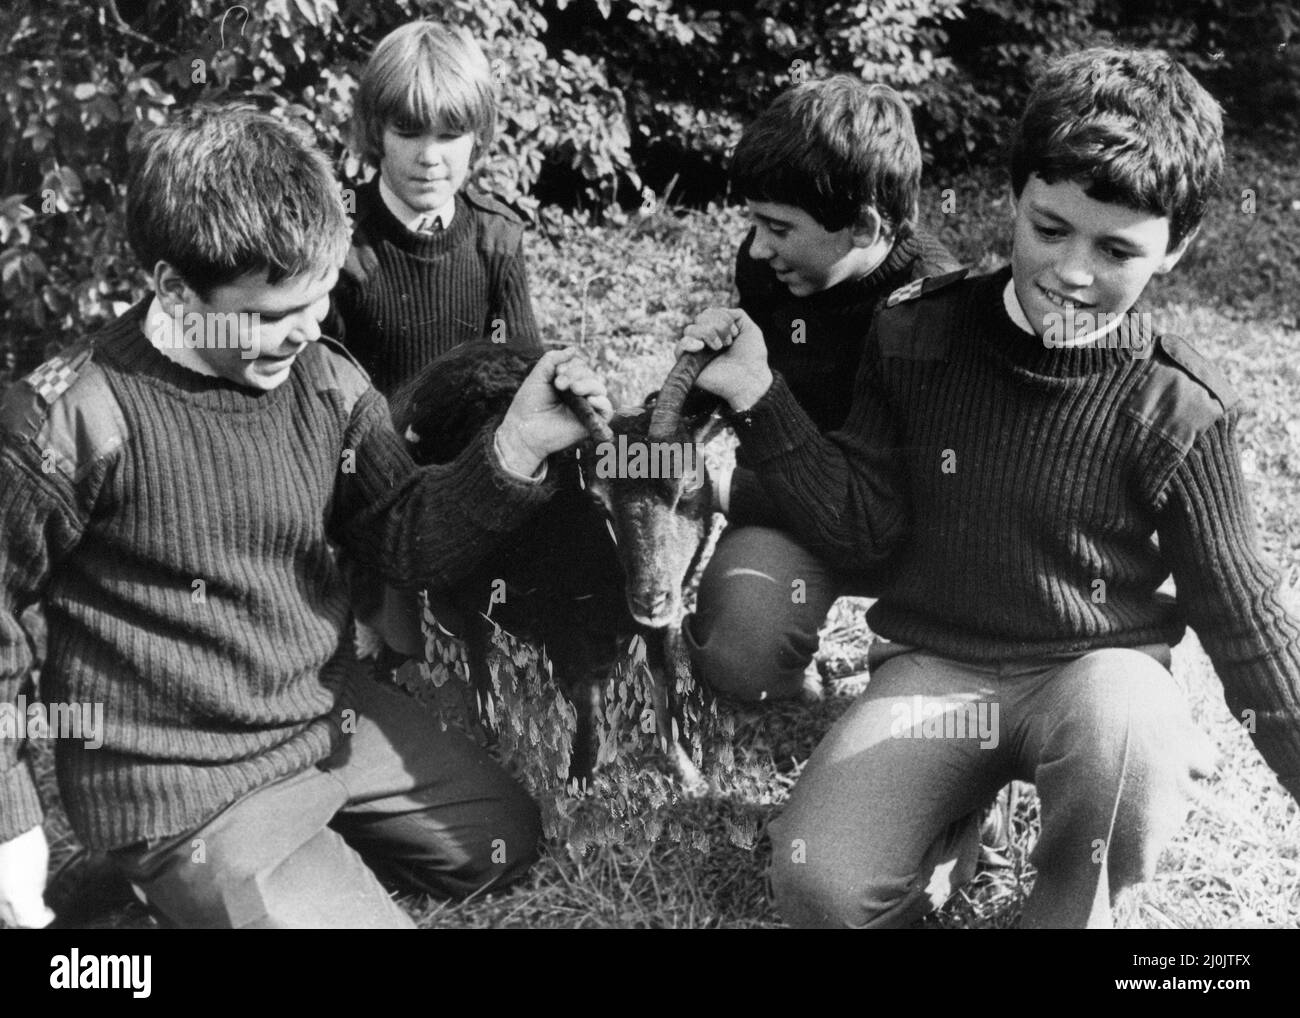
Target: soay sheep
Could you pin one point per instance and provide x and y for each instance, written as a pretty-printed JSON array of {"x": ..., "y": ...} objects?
[{"x": 606, "y": 558}]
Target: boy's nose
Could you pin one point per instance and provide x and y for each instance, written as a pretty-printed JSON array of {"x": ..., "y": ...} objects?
[
  {"x": 308, "y": 330},
  {"x": 760, "y": 248},
  {"x": 1075, "y": 267}
]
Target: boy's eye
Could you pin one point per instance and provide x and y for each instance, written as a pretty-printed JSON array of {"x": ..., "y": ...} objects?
[
  {"x": 1048, "y": 232},
  {"x": 1119, "y": 254}
]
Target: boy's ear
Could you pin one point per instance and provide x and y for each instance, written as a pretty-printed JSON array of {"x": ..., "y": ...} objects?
[
  {"x": 868, "y": 228},
  {"x": 171, "y": 288},
  {"x": 1171, "y": 259}
]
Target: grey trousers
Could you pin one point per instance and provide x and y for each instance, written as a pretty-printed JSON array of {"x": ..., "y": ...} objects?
[
  {"x": 877, "y": 827},
  {"x": 426, "y": 809},
  {"x": 762, "y": 599}
]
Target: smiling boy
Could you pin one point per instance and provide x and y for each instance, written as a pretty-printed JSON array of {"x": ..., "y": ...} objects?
[
  {"x": 178, "y": 510},
  {"x": 830, "y": 173},
  {"x": 433, "y": 263},
  {"x": 1030, "y": 496}
]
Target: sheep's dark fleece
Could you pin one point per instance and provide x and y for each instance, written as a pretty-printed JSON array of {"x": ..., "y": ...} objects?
[{"x": 564, "y": 584}]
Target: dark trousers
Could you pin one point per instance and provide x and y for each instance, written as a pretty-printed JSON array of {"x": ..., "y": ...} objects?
[
  {"x": 426, "y": 809},
  {"x": 762, "y": 599}
]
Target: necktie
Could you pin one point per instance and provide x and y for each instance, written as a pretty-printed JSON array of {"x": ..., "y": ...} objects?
[{"x": 431, "y": 225}]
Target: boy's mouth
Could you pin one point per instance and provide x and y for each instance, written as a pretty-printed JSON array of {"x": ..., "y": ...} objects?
[
  {"x": 1061, "y": 301},
  {"x": 280, "y": 358}
]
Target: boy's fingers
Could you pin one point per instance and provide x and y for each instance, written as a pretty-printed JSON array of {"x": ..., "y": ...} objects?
[
  {"x": 583, "y": 385},
  {"x": 550, "y": 362},
  {"x": 714, "y": 318},
  {"x": 714, "y": 337}
]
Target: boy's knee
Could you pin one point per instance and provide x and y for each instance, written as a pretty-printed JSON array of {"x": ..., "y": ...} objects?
[
  {"x": 747, "y": 657},
  {"x": 498, "y": 852},
  {"x": 1132, "y": 709},
  {"x": 814, "y": 892},
  {"x": 761, "y": 602},
  {"x": 819, "y": 884}
]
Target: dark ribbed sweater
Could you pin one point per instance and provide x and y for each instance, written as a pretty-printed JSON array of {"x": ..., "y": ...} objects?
[
  {"x": 1015, "y": 493},
  {"x": 831, "y": 327},
  {"x": 403, "y": 297},
  {"x": 178, "y": 477}
]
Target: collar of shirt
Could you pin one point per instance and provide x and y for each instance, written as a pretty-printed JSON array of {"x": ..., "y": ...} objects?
[
  {"x": 409, "y": 217},
  {"x": 166, "y": 334},
  {"x": 1017, "y": 314}
]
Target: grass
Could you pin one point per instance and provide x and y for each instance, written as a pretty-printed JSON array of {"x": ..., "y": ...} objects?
[{"x": 1236, "y": 296}]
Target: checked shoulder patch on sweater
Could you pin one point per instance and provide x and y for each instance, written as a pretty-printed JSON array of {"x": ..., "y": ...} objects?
[{"x": 924, "y": 285}]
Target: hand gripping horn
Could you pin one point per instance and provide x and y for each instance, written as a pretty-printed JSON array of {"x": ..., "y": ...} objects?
[
  {"x": 597, "y": 427},
  {"x": 672, "y": 395}
]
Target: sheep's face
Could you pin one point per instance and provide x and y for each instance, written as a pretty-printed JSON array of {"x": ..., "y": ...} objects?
[{"x": 658, "y": 505}]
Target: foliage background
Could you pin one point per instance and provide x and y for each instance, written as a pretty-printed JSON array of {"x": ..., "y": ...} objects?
[{"x": 607, "y": 104}]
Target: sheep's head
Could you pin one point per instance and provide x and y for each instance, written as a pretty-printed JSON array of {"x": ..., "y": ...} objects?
[{"x": 646, "y": 469}]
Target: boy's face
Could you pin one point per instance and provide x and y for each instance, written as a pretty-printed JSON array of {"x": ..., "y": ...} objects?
[
  {"x": 425, "y": 168},
  {"x": 255, "y": 352},
  {"x": 806, "y": 256},
  {"x": 1072, "y": 253}
]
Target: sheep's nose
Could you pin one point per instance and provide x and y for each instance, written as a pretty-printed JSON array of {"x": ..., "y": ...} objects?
[{"x": 650, "y": 609}]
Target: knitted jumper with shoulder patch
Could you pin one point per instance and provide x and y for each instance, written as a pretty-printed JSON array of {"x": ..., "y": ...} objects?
[
  {"x": 403, "y": 297},
  {"x": 182, "y": 533},
  {"x": 1022, "y": 498}
]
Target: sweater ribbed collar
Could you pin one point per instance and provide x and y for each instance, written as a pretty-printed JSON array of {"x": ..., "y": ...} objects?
[
  {"x": 1132, "y": 339},
  {"x": 124, "y": 344},
  {"x": 380, "y": 223}
]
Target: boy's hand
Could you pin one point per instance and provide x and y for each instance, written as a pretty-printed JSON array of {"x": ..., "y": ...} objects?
[
  {"x": 23, "y": 862},
  {"x": 739, "y": 374},
  {"x": 537, "y": 422}
]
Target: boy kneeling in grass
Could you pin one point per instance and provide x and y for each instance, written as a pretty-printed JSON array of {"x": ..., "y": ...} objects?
[
  {"x": 831, "y": 174},
  {"x": 175, "y": 491},
  {"x": 1031, "y": 462}
]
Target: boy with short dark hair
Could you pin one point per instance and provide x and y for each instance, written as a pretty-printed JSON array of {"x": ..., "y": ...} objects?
[
  {"x": 175, "y": 491},
  {"x": 831, "y": 173},
  {"x": 434, "y": 263},
  {"x": 1018, "y": 444}
]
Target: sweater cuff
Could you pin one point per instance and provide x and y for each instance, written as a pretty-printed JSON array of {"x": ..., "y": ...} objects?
[
  {"x": 20, "y": 806},
  {"x": 495, "y": 499},
  {"x": 774, "y": 426},
  {"x": 534, "y": 478}
]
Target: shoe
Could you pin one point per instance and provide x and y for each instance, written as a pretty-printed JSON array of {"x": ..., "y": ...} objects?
[{"x": 88, "y": 887}]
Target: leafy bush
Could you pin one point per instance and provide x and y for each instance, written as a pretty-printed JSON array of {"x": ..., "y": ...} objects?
[
  {"x": 600, "y": 98},
  {"x": 76, "y": 80}
]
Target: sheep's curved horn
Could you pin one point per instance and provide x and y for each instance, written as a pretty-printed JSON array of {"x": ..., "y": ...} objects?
[
  {"x": 672, "y": 395},
  {"x": 597, "y": 427}
]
